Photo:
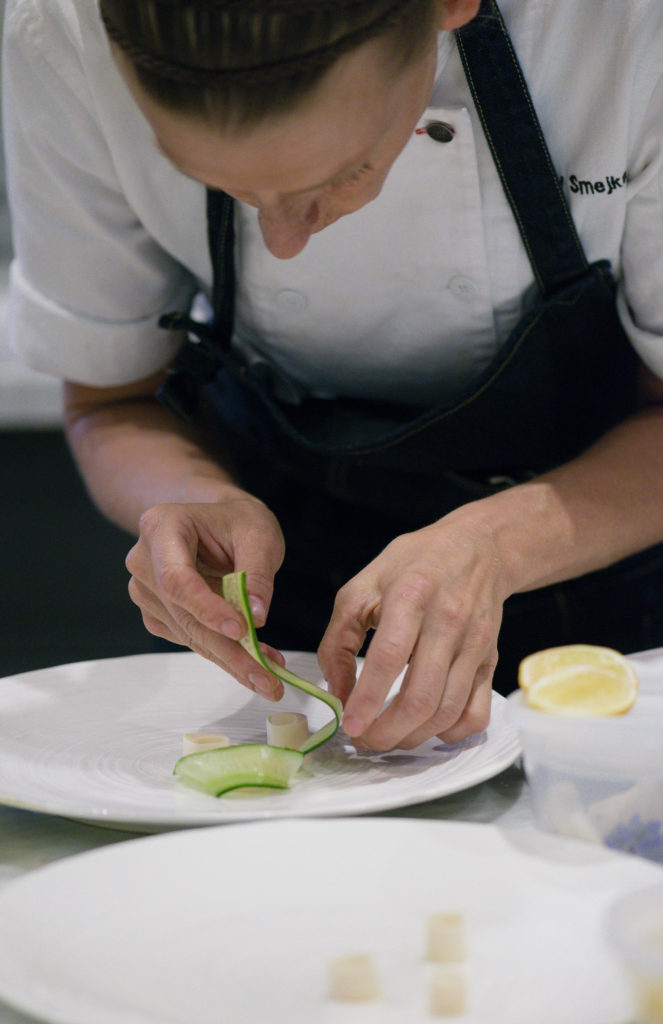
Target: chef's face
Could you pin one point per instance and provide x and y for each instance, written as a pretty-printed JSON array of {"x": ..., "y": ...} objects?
[{"x": 305, "y": 169}]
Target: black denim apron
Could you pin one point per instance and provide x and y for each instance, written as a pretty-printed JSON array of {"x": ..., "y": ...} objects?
[{"x": 346, "y": 476}]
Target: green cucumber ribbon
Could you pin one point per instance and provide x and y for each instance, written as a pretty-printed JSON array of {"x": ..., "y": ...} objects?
[{"x": 235, "y": 592}]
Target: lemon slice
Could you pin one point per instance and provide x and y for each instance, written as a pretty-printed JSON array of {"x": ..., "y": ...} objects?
[
  {"x": 579, "y": 679},
  {"x": 542, "y": 663}
]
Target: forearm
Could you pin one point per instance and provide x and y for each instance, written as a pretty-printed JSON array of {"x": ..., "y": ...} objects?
[
  {"x": 604, "y": 505},
  {"x": 133, "y": 454}
]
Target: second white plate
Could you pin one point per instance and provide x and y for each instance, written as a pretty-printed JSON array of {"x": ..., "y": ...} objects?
[
  {"x": 98, "y": 741},
  {"x": 239, "y": 924}
]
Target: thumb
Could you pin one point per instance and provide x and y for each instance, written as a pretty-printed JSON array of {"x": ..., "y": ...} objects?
[
  {"x": 259, "y": 550},
  {"x": 260, "y": 587}
]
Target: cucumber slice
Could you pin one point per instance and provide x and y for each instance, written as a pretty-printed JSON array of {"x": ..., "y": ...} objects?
[
  {"x": 235, "y": 593},
  {"x": 248, "y": 764}
]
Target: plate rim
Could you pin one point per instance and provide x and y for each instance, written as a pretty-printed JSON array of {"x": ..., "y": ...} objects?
[{"x": 144, "y": 821}]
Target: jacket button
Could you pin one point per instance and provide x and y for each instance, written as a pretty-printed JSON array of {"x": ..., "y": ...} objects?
[
  {"x": 288, "y": 298},
  {"x": 440, "y": 131},
  {"x": 463, "y": 287}
]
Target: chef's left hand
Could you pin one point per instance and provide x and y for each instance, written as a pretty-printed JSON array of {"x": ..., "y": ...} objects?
[{"x": 434, "y": 598}]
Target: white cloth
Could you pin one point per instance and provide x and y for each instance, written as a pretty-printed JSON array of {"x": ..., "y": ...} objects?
[{"x": 407, "y": 298}]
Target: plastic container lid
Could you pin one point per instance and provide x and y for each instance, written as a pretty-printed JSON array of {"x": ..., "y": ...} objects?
[{"x": 629, "y": 745}]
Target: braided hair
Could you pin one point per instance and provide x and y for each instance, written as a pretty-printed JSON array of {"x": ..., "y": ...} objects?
[{"x": 241, "y": 60}]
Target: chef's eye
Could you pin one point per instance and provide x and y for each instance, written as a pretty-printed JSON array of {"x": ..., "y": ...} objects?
[
  {"x": 351, "y": 178},
  {"x": 358, "y": 173}
]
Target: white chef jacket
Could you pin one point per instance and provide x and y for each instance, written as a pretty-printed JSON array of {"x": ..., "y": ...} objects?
[{"x": 405, "y": 299}]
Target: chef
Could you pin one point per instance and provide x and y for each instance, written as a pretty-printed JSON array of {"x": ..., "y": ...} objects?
[{"x": 379, "y": 312}]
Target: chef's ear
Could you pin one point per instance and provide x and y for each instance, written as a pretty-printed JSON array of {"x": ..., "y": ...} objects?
[{"x": 454, "y": 13}]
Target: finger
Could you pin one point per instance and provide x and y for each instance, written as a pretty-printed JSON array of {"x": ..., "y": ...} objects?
[
  {"x": 259, "y": 552},
  {"x": 260, "y": 588},
  {"x": 437, "y": 685},
  {"x": 156, "y": 619},
  {"x": 273, "y": 654},
  {"x": 419, "y": 697},
  {"x": 344, "y": 638},
  {"x": 189, "y": 598},
  {"x": 276, "y": 689},
  {"x": 473, "y": 717},
  {"x": 169, "y": 568},
  {"x": 339, "y": 671},
  {"x": 389, "y": 651},
  {"x": 259, "y": 683},
  {"x": 228, "y": 655},
  {"x": 476, "y": 716},
  {"x": 158, "y": 628}
]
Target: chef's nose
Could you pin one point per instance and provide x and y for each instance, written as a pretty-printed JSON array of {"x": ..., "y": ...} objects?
[{"x": 287, "y": 226}]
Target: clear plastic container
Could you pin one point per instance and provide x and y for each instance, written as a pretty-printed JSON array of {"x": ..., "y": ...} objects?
[
  {"x": 599, "y": 779},
  {"x": 635, "y": 932}
]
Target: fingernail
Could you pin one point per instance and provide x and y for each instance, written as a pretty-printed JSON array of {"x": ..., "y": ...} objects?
[
  {"x": 352, "y": 726},
  {"x": 231, "y": 629},
  {"x": 262, "y": 683},
  {"x": 257, "y": 608}
]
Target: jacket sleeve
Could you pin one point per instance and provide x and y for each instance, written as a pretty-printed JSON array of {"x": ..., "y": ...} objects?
[
  {"x": 640, "y": 290},
  {"x": 88, "y": 283}
]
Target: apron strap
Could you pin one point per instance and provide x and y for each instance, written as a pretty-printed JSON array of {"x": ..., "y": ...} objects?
[
  {"x": 208, "y": 346},
  {"x": 518, "y": 147},
  {"x": 221, "y": 238}
]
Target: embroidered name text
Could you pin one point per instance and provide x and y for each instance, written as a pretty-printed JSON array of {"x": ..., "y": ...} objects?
[{"x": 606, "y": 186}]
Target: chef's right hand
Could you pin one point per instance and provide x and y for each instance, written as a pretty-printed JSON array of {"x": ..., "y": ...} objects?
[{"x": 176, "y": 566}]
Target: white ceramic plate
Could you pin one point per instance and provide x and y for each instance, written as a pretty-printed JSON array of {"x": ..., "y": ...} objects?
[
  {"x": 98, "y": 741},
  {"x": 239, "y": 924}
]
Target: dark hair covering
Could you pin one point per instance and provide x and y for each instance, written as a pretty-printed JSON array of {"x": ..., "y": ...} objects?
[{"x": 237, "y": 61}]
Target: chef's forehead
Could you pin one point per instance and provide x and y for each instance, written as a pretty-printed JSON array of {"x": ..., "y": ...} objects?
[{"x": 237, "y": 63}]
